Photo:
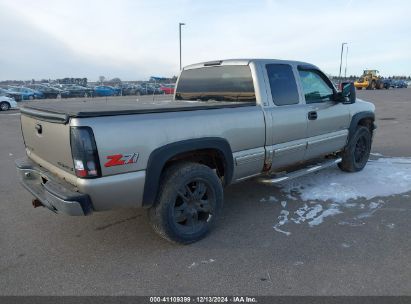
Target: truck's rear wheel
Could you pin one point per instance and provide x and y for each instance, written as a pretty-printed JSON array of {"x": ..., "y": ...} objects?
[
  {"x": 357, "y": 151},
  {"x": 188, "y": 203}
]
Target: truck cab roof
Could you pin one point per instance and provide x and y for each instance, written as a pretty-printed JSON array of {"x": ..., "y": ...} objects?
[{"x": 247, "y": 61}]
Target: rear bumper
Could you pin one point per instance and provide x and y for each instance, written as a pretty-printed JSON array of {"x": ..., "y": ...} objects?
[{"x": 53, "y": 193}]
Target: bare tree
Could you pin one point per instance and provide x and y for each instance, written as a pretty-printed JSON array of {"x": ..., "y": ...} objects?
[
  {"x": 116, "y": 80},
  {"x": 101, "y": 79}
]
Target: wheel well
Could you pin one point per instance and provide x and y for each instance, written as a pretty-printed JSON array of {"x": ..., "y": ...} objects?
[
  {"x": 214, "y": 152},
  {"x": 212, "y": 158},
  {"x": 365, "y": 119},
  {"x": 367, "y": 122}
]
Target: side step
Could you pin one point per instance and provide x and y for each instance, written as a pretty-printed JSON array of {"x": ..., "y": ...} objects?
[{"x": 281, "y": 177}]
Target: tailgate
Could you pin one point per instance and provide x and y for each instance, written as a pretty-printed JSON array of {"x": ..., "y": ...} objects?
[{"x": 47, "y": 140}]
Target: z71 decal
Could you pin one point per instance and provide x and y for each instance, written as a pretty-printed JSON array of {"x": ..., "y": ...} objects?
[{"x": 120, "y": 159}]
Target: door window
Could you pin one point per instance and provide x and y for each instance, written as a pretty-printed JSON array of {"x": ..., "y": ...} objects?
[
  {"x": 282, "y": 84},
  {"x": 315, "y": 88}
]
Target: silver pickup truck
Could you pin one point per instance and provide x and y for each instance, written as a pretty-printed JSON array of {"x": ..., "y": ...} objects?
[{"x": 229, "y": 120}]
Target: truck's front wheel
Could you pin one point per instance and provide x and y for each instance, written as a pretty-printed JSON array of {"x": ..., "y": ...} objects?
[
  {"x": 357, "y": 152},
  {"x": 188, "y": 203}
]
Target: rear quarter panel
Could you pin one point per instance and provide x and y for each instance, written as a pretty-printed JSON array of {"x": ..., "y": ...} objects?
[{"x": 243, "y": 128}]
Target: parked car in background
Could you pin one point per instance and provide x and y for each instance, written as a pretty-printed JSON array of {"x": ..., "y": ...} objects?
[
  {"x": 386, "y": 83},
  {"x": 167, "y": 88},
  {"x": 4, "y": 92},
  {"x": 49, "y": 91},
  {"x": 7, "y": 103},
  {"x": 396, "y": 83},
  {"x": 150, "y": 89},
  {"x": 401, "y": 84},
  {"x": 15, "y": 95},
  {"x": 131, "y": 89},
  {"x": 23, "y": 93},
  {"x": 77, "y": 91},
  {"x": 106, "y": 91},
  {"x": 117, "y": 90}
]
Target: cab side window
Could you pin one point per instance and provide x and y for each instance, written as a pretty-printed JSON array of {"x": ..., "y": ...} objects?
[
  {"x": 282, "y": 84},
  {"x": 315, "y": 88}
]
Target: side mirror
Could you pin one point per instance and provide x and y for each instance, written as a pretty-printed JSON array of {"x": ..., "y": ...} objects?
[{"x": 348, "y": 93}]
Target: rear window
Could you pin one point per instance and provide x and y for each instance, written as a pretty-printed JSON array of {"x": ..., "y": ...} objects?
[{"x": 218, "y": 83}]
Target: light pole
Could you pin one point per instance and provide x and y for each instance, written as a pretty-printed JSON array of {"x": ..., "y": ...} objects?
[
  {"x": 179, "y": 35},
  {"x": 346, "y": 58},
  {"x": 342, "y": 50}
]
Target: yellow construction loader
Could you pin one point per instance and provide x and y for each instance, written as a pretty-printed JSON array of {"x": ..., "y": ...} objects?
[{"x": 370, "y": 80}]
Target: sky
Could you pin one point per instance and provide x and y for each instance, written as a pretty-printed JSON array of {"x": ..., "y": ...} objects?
[{"x": 133, "y": 39}]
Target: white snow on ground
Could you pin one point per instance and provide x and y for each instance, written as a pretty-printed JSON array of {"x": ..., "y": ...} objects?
[
  {"x": 196, "y": 264},
  {"x": 270, "y": 199},
  {"x": 381, "y": 177},
  {"x": 331, "y": 191}
]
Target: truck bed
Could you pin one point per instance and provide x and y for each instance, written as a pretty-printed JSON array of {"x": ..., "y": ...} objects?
[{"x": 61, "y": 111}]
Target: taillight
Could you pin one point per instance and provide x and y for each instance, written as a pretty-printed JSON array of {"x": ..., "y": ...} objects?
[{"x": 84, "y": 152}]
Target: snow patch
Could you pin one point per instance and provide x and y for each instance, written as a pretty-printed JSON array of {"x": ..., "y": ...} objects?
[
  {"x": 282, "y": 220},
  {"x": 381, "y": 177},
  {"x": 291, "y": 197},
  {"x": 195, "y": 264},
  {"x": 326, "y": 213},
  {"x": 391, "y": 225},
  {"x": 331, "y": 192},
  {"x": 269, "y": 199}
]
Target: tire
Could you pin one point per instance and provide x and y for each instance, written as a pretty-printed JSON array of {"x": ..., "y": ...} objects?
[
  {"x": 188, "y": 203},
  {"x": 357, "y": 151},
  {"x": 4, "y": 106}
]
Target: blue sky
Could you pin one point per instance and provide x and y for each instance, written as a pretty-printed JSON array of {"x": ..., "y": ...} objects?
[{"x": 136, "y": 39}]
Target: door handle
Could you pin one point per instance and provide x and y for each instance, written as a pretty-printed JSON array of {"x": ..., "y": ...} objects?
[
  {"x": 38, "y": 128},
  {"x": 312, "y": 115}
]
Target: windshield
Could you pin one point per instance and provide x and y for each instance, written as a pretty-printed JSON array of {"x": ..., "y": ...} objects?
[{"x": 217, "y": 83}]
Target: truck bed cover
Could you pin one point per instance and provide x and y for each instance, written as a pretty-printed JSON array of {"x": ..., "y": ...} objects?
[{"x": 62, "y": 110}]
